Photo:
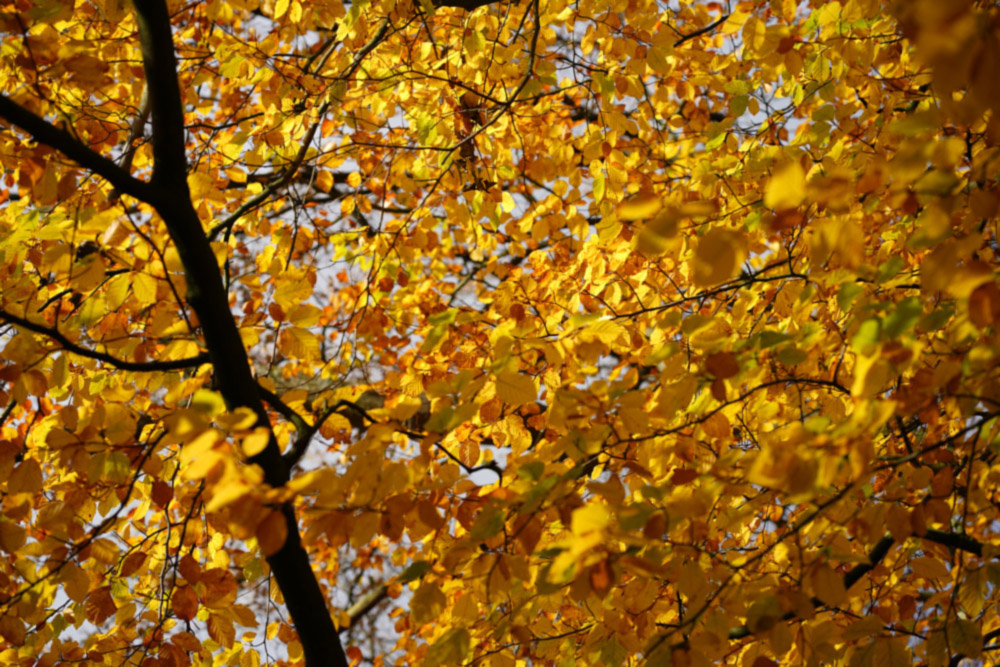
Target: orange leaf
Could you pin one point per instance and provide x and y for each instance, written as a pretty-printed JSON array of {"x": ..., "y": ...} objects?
[
  {"x": 272, "y": 533},
  {"x": 601, "y": 577},
  {"x": 222, "y": 630}
]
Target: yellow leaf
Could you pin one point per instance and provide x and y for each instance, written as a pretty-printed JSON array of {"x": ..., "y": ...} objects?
[
  {"x": 226, "y": 493},
  {"x": 605, "y": 331},
  {"x": 117, "y": 291},
  {"x": 208, "y": 401},
  {"x": 12, "y": 536},
  {"x": 507, "y": 202},
  {"x": 250, "y": 658},
  {"x": 304, "y": 315},
  {"x": 12, "y": 629},
  {"x": 324, "y": 180},
  {"x": 35, "y": 382},
  {"x": 589, "y": 518},
  {"x": 298, "y": 343},
  {"x": 871, "y": 374},
  {"x": 515, "y": 388},
  {"x": 599, "y": 188},
  {"x": 734, "y": 22},
  {"x": 256, "y": 441},
  {"x": 893, "y": 652},
  {"x": 787, "y": 187},
  {"x": 640, "y": 207},
  {"x": 827, "y": 585},
  {"x": 406, "y": 407},
  {"x": 965, "y": 638},
  {"x": 931, "y": 569},
  {"x": 657, "y": 235},
  {"x": 718, "y": 257},
  {"x": 144, "y": 287},
  {"x": 26, "y": 478},
  {"x": 76, "y": 583}
]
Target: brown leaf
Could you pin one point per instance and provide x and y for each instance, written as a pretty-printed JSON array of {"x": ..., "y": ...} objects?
[
  {"x": 162, "y": 493},
  {"x": 132, "y": 563},
  {"x": 100, "y": 605},
  {"x": 722, "y": 365},
  {"x": 184, "y": 602},
  {"x": 719, "y": 390},
  {"x": 189, "y": 569},
  {"x": 218, "y": 588}
]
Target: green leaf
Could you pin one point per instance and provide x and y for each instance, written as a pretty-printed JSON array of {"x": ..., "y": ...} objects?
[
  {"x": 848, "y": 292},
  {"x": 253, "y": 570},
  {"x": 889, "y": 270},
  {"x": 768, "y": 339},
  {"x": 444, "y": 317},
  {"x": 738, "y": 106},
  {"x": 488, "y": 524},
  {"x": 613, "y": 653},
  {"x": 903, "y": 318},
  {"x": 531, "y": 472},
  {"x": 937, "y": 319},
  {"x": 965, "y": 638},
  {"x": 416, "y": 570},
  {"x": 791, "y": 355},
  {"x": 868, "y": 334},
  {"x": 451, "y": 649},
  {"x": 715, "y": 141}
]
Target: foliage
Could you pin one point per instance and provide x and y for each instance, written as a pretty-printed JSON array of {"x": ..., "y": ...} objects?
[{"x": 606, "y": 332}]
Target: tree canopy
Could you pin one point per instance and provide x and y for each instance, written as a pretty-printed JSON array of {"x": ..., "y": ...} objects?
[{"x": 483, "y": 332}]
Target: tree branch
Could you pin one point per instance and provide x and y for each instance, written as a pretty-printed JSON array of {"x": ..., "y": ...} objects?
[
  {"x": 135, "y": 131},
  {"x": 207, "y": 295},
  {"x": 701, "y": 31},
  {"x": 272, "y": 399},
  {"x": 166, "y": 107},
  {"x": 851, "y": 577},
  {"x": 286, "y": 177},
  {"x": 120, "y": 364},
  {"x": 875, "y": 556},
  {"x": 957, "y": 541},
  {"x": 468, "y": 5},
  {"x": 49, "y": 135},
  {"x": 367, "y": 602},
  {"x": 354, "y": 413}
]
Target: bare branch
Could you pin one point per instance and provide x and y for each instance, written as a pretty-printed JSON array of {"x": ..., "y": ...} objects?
[
  {"x": 121, "y": 364},
  {"x": 49, "y": 135}
]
